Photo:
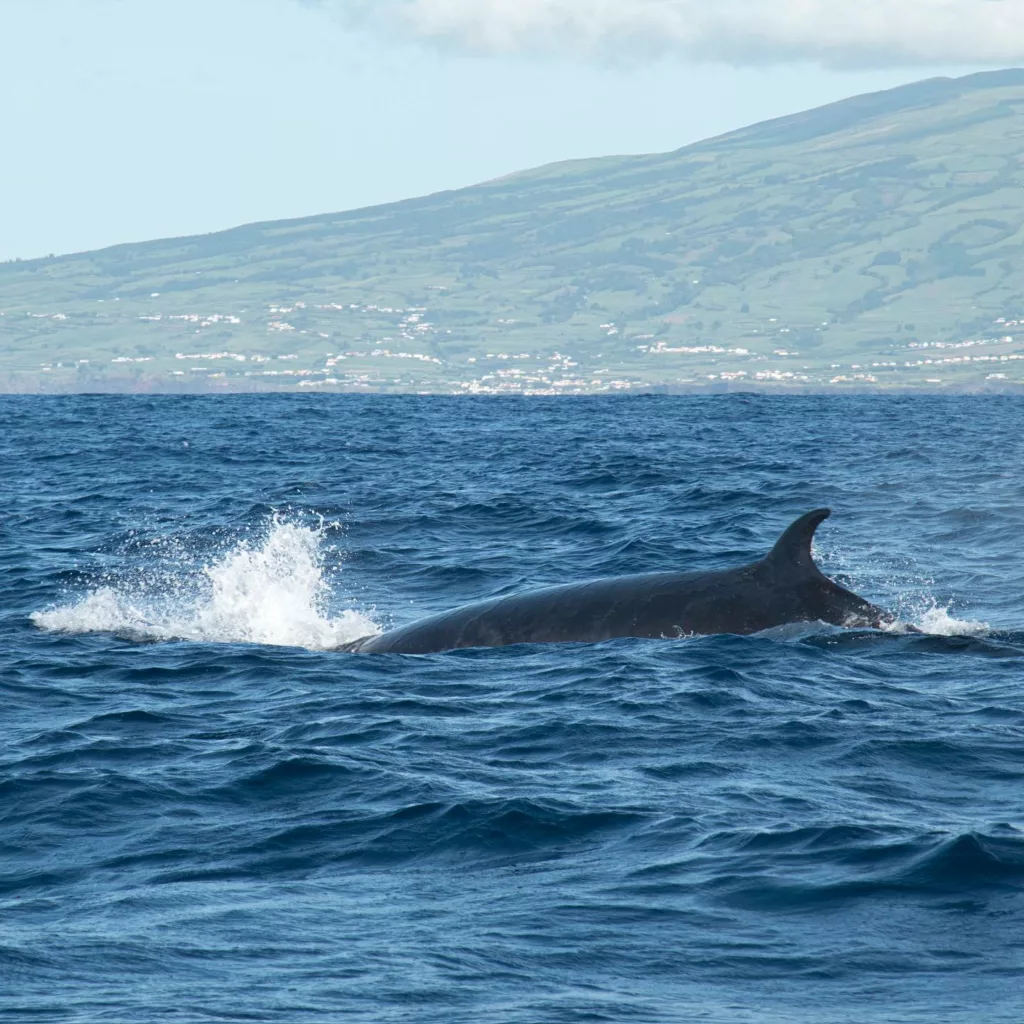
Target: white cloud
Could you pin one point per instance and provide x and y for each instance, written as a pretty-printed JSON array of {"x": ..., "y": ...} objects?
[{"x": 835, "y": 33}]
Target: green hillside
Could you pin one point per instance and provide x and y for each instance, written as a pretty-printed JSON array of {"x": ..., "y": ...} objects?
[{"x": 876, "y": 242}]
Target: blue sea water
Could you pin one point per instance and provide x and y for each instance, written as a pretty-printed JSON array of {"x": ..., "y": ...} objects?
[{"x": 206, "y": 814}]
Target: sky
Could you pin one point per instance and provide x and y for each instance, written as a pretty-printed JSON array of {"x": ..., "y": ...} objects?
[{"x": 126, "y": 120}]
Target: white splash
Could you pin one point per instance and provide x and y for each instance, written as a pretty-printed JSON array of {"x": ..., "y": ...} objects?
[
  {"x": 273, "y": 592},
  {"x": 907, "y": 593},
  {"x": 938, "y": 621}
]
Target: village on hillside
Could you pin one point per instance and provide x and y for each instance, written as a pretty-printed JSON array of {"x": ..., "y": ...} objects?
[{"x": 345, "y": 346}]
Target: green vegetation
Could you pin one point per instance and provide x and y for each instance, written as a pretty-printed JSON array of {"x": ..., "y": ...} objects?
[{"x": 876, "y": 242}]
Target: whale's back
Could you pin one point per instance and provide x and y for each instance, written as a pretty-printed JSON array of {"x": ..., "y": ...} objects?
[{"x": 784, "y": 586}]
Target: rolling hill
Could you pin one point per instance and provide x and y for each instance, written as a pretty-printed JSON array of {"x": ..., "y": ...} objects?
[{"x": 875, "y": 242}]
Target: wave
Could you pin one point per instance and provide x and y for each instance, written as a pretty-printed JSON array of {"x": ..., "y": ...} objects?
[
  {"x": 486, "y": 831},
  {"x": 860, "y": 865},
  {"x": 271, "y": 592}
]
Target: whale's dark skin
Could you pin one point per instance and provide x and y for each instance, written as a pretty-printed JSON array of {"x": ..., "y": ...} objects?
[{"x": 784, "y": 586}]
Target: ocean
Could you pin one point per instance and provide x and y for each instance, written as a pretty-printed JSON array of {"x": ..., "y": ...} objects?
[{"x": 208, "y": 814}]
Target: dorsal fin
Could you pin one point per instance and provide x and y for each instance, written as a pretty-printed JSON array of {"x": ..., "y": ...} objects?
[{"x": 793, "y": 548}]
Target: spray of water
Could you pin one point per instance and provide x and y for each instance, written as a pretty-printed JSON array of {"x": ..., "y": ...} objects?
[
  {"x": 911, "y": 595},
  {"x": 270, "y": 592},
  {"x": 939, "y": 621}
]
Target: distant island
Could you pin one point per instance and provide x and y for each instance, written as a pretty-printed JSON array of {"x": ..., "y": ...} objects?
[{"x": 875, "y": 243}]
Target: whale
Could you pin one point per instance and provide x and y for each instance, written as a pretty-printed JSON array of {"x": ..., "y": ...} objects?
[{"x": 785, "y": 586}]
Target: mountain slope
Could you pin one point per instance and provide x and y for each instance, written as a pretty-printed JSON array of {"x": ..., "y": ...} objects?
[{"x": 884, "y": 229}]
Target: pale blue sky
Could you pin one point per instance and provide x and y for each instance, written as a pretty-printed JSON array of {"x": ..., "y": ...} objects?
[{"x": 133, "y": 119}]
